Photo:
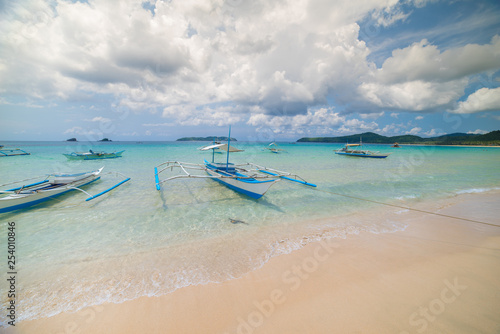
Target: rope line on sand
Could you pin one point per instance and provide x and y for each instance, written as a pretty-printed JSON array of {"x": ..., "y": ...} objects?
[{"x": 406, "y": 207}]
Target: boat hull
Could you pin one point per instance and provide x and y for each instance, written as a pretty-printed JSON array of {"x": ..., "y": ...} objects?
[
  {"x": 362, "y": 155},
  {"x": 44, "y": 193},
  {"x": 90, "y": 156},
  {"x": 249, "y": 187}
]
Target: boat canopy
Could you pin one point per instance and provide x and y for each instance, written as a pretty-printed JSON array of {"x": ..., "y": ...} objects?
[
  {"x": 222, "y": 147},
  {"x": 352, "y": 145}
]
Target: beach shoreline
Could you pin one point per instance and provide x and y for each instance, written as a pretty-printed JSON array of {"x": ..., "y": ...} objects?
[{"x": 369, "y": 283}]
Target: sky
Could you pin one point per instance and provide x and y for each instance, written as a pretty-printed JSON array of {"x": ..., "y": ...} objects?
[{"x": 273, "y": 70}]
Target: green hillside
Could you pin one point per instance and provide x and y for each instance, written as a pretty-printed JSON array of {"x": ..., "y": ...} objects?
[{"x": 492, "y": 138}]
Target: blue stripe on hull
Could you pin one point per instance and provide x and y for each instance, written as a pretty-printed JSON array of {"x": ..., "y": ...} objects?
[
  {"x": 363, "y": 155},
  {"x": 242, "y": 191},
  {"x": 231, "y": 186}
]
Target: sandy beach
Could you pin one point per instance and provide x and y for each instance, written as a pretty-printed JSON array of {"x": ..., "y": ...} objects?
[{"x": 439, "y": 275}]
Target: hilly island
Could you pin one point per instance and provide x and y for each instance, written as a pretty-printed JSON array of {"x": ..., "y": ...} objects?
[{"x": 488, "y": 139}]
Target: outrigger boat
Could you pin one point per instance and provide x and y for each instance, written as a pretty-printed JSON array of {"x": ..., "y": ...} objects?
[
  {"x": 273, "y": 148},
  {"x": 91, "y": 155},
  {"x": 52, "y": 186},
  {"x": 355, "y": 150},
  {"x": 9, "y": 152},
  {"x": 249, "y": 179}
]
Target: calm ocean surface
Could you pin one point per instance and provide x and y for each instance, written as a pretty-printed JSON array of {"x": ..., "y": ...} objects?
[{"x": 137, "y": 241}]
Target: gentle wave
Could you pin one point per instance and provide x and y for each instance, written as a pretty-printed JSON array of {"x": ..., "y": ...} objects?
[
  {"x": 476, "y": 190},
  {"x": 73, "y": 287}
]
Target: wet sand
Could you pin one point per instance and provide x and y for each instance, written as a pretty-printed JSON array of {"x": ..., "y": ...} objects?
[{"x": 440, "y": 275}]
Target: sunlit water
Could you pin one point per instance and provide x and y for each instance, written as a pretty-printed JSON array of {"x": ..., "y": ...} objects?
[{"x": 137, "y": 241}]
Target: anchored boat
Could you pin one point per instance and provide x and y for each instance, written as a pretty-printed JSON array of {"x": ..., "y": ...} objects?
[
  {"x": 356, "y": 150},
  {"x": 249, "y": 179},
  {"x": 91, "y": 155},
  {"x": 273, "y": 148},
  {"x": 51, "y": 186}
]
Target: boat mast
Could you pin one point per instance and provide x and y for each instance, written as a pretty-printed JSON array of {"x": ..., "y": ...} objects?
[
  {"x": 228, "y": 148},
  {"x": 213, "y": 152}
]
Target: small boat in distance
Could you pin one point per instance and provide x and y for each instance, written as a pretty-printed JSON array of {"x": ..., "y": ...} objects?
[
  {"x": 395, "y": 145},
  {"x": 273, "y": 148},
  {"x": 10, "y": 152},
  {"x": 249, "y": 179},
  {"x": 51, "y": 186},
  {"x": 91, "y": 155},
  {"x": 355, "y": 150}
]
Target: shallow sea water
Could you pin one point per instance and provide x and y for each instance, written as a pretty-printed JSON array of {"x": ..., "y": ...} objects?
[{"x": 136, "y": 241}]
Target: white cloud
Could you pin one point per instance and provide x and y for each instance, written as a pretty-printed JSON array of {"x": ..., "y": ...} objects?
[
  {"x": 372, "y": 115},
  {"x": 389, "y": 129},
  {"x": 78, "y": 130},
  {"x": 424, "y": 62},
  {"x": 413, "y": 95},
  {"x": 355, "y": 126},
  {"x": 484, "y": 99},
  {"x": 421, "y": 77},
  {"x": 478, "y": 132},
  {"x": 414, "y": 131},
  {"x": 320, "y": 121},
  {"x": 100, "y": 119},
  {"x": 216, "y": 62},
  {"x": 394, "y": 129},
  {"x": 389, "y": 15},
  {"x": 282, "y": 56},
  {"x": 191, "y": 116},
  {"x": 418, "y": 118},
  {"x": 434, "y": 133}
]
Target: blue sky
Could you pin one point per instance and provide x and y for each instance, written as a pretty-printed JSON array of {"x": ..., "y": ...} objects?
[{"x": 274, "y": 70}]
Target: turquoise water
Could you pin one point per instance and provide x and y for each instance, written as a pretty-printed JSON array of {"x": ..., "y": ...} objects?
[{"x": 136, "y": 241}]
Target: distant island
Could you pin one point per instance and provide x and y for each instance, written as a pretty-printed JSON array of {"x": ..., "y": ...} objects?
[
  {"x": 74, "y": 139},
  {"x": 205, "y": 139},
  {"x": 488, "y": 139}
]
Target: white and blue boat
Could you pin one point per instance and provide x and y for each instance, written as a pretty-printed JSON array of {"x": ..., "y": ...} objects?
[
  {"x": 51, "y": 186},
  {"x": 249, "y": 179},
  {"x": 356, "y": 150},
  {"x": 92, "y": 155}
]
